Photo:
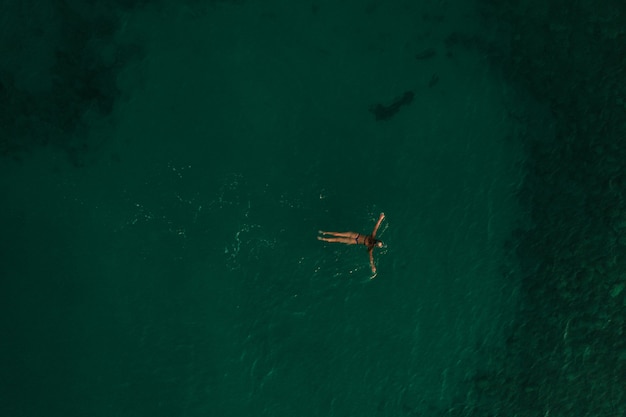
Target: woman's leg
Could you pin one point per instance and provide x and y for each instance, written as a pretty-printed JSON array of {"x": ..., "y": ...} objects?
[
  {"x": 346, "y": 240},
  {"x": 352, "y": 235}
]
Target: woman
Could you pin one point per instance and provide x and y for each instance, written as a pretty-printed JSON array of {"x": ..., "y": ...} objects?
[{"x": 352, "y": 238}]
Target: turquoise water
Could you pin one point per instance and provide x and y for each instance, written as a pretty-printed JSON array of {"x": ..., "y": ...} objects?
[{"x": 176, "y": 272}]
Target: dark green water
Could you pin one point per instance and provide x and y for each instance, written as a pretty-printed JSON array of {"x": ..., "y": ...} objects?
[{"x": 173, "y": 270}]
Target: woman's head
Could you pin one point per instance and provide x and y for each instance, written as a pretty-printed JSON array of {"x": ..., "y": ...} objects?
[{"x": 378, "y": 243}]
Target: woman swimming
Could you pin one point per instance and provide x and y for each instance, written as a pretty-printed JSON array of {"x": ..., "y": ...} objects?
[{"x": 352, "y": 238}]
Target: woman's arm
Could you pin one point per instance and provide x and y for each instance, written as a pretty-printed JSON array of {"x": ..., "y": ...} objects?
[
  {"x": 380, "y": 220},
  {"x": 372, "y": 262}
]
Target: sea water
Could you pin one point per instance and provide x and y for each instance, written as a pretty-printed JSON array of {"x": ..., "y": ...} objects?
[{"x": 176, "y": 271}]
